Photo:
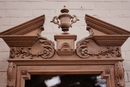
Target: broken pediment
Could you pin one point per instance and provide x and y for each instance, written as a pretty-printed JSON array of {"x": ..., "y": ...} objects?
[
  {"x": 25, "y": 34},
  {"x": 105, "y": 34},
  {"x": 25, "y": 40}
]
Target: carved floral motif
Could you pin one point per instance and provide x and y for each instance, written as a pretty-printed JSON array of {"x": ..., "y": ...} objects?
[
  {"x": 119, "y": 74},
  {"x": 83, "y": 50},
  {"x": 47, "y": 51}
]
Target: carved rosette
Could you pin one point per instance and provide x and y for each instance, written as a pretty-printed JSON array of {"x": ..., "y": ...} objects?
[
  {"x": 44, "y": 49},
  {"x": 119, "y": 74},
  {"x": 88, "y": 48},
  {"x": 10, "y": 75}
]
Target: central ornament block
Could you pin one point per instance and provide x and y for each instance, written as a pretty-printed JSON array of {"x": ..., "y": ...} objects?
[{"x": 65, "y": 43}]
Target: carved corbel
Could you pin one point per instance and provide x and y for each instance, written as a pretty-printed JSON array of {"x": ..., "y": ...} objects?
[
  {"x": 119, "y": 74},
  {"x": 10, "y": 74}
]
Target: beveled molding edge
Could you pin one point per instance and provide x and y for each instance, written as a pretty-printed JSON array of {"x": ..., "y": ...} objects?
[{"x": 72, "y": 61}]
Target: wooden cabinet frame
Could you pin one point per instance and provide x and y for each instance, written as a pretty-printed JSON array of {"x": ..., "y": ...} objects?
[
  {"x": 24, "y": 71},
  {"x": 25, "y": 68}
]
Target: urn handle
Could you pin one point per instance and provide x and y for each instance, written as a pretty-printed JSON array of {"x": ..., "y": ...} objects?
[
  {"x": 74, "y": 20},
  {"x": 55, "y": 21}
]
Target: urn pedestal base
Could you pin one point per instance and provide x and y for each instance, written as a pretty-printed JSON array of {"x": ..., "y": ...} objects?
[{"x": 65, "y": 43}]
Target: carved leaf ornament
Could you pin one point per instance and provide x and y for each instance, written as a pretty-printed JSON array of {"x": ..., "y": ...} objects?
[
  {"x": 83, "y": 50},
  {"x": 119, "y": 74},
  {"x": 46, "y": 50}
]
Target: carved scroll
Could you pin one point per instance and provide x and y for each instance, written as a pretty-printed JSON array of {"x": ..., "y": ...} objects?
[
  {"x": 45, "y": 49},
  {"x": 88, "y": 48},
  {"x": 10, "y": 75},
  {"x": 119, "y": 74}
]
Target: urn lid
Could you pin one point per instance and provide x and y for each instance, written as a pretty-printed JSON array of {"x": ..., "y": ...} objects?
[{"x": 64, "y": 10}]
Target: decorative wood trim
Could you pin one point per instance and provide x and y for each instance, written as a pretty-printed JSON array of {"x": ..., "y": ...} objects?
[
  {"x": 65, "y": 44},
  {"x": 119, "y": 74},
  {"x": 69, "y": 69},
  {"x": 65, "y": 36},
  {"x": 14, "y": 37},
  {"x": 104, "y": 26},
  {"x": 87, "y": 48},
  {"x": 110, "y": 40},
  {"x": 20, "y": 41},
  {"x": 11, "y": 75},
  {"x": 106, "y": 75},
  {"x": 72, "y": 60},
  {"x": 43, "y": 46},
  {"x": 26, "y": 27}
]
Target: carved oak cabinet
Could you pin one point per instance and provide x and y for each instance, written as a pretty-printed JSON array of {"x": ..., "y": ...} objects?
[{"x": 33, "y": 54}]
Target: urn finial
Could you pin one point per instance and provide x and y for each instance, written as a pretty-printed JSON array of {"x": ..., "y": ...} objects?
[{"x": 64, "y": 20}]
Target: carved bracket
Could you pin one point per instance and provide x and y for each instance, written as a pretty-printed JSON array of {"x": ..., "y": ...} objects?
[
  {"x": 10, "y": 75},
  {"x": 119, "y": 74}
]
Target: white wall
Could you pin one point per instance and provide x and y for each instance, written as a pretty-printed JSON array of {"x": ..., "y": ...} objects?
[{"x": 14, "y": 12}]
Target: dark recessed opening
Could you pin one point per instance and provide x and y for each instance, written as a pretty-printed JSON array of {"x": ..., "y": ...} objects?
[{"x": 66, "y": 81}]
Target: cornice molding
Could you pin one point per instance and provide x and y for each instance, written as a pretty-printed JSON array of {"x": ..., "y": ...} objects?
[
  {"x": 16, "y": 36},
  {"x": 110, "y": 40},
  {"x": 113, "y": 35},
  {"x": 104, "y": 27},
  {"x": 26, "y": 27}
]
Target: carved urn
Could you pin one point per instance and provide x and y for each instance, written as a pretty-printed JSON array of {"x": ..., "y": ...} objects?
[{"x": 64, "y": 20}]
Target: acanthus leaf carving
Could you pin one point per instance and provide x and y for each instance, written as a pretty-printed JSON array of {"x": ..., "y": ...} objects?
[{"x": 119, "y": 74}]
